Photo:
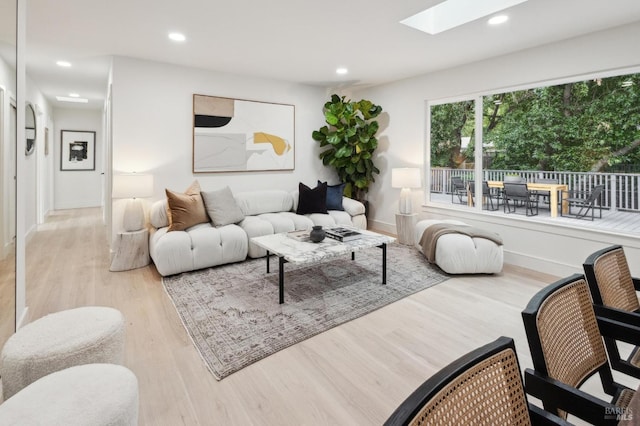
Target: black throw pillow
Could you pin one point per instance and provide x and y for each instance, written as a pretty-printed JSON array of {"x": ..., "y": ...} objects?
[{"x": 312, "y": 200}]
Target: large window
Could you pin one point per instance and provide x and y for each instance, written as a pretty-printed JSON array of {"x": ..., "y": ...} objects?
[{"x": 580, "y": 133}]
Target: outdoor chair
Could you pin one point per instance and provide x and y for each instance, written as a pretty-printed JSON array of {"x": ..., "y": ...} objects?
[
  {"x": 483, "y": 387},
  {"x": 586, "y": 201},
  {"x": 458, "y": 189},
  {"x": 518, "y": 193},
  {"x": 613, "y": 291},
  {"x": 488, "y": 197},
  {"x": 545, "y": 194},
  {"x": 565, "y": 340}
]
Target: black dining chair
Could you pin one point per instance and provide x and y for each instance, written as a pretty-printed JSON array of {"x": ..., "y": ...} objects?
[
  {"x": 490, "y": 201},
  {"x": 458, "y": 189},
  {"x": 585, "y": 201},
  {"x": 565, "y": 340},
  {"x": 518, "y": 193},
  {"x": 483, "y": 387}
]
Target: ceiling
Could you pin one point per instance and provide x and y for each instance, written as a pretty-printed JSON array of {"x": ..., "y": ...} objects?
[{"x": 291, "y": 40}]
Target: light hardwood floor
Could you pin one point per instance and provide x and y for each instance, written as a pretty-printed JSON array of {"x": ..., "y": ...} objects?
[{"x": 354, "y": 374}]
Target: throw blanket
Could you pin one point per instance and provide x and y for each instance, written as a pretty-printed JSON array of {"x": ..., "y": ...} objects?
[{"x": 430, "y": 236}]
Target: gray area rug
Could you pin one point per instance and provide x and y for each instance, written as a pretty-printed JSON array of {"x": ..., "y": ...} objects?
[{"x": 232, "y": 313}]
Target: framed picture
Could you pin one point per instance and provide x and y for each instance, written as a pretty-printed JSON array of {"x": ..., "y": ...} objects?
[
  {"x": 236, "y": 135},
  {"x": 77, "y": 150}
]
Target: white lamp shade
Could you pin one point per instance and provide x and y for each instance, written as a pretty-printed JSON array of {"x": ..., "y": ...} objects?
[
  {"x": 407, "y": 177},
  {"x": 132, "y": 185}
]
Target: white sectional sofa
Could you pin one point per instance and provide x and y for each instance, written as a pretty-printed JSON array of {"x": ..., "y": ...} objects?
[{"x": 265, "y": 212}]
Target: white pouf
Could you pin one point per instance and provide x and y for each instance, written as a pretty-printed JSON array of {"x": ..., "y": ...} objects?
[
  {"x": 461, "y": 254},
  {"x": 57, "y": 341},
  {"x": 91, "y": 395}
]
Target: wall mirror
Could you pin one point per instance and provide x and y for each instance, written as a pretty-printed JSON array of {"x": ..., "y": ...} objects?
[
  {"x": 30, "y": 129},
  {"x": 8, "y": 145}
]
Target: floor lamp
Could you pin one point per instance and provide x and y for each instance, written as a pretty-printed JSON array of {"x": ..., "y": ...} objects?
[
  {"x": 133, "y": 186},
  {"x": 405, "y": 178}
]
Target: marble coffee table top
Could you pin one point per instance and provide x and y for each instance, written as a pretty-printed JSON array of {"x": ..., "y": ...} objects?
[{"x": 295, "y": 251}]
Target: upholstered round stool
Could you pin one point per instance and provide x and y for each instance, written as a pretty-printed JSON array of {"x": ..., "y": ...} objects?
[
  {"x": 91, "y": 395},
  {"x": 57, "y": 341}
]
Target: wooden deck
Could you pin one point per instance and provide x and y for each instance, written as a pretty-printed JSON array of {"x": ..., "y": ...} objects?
[{"x": 612, "y": 221}]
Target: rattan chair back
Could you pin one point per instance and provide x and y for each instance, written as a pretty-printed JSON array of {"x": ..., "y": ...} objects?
[
  {"x": 484, "y": 386},
  {"x": 607, "y": 271},
  {"x": 565, "y": 332}
]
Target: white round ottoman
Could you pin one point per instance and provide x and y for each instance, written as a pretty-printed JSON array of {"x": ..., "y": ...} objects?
[
  {"x": 461, "y": 254},
  {"x": 57, "y": 341},
  {"x": 91, "y": 395}
]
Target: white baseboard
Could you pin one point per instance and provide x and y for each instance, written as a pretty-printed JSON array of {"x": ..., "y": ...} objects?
[{"x": 539, "y": 264}]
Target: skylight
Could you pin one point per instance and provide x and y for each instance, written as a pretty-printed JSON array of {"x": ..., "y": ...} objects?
[
  {"x": 453, "y": 13},
  {"x": 69, "y": 99}
]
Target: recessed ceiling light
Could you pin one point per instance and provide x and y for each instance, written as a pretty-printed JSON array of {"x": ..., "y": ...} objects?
[
  {"x": 177, "y": 36},
  {"x": 68, "y": 99},
  {"x": 65, "y": 64},
  {"x": 74, "y": 95},
  {"x": 342, "y": 71},
  {"x": 499, "y": 19},
  {"x": 453, "y": 13}
]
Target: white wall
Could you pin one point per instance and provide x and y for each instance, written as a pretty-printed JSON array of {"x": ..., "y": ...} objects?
[
  {"x": 78, "y": 188},
  {"x": 38, "y": 166},
  {"x": 152, "y": 126},
  {"x": 403, "y": 135}
]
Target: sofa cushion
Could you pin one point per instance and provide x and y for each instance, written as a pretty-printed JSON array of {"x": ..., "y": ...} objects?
[
  {"x": 269, "y": 201},
  {"x": 222, "y": 207},
  {"x": 158, "y": 215},
  {"x": 186, "y": 210},
  {"x": 200, "y": 246},
  {"x": 312, "y": 200}
]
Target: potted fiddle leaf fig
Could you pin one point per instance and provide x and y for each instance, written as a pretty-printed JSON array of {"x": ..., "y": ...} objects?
[{"x": 350, "y": 139}]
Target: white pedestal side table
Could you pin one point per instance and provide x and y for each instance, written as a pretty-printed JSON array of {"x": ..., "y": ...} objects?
[
  {"x": 405, "y": 225},
  {"x": 131, "y": 250}
]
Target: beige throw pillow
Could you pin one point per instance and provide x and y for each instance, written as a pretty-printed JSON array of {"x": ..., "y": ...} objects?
[
  {"x": 185, "y": 210},
  {"x": 222, "y": 207}
]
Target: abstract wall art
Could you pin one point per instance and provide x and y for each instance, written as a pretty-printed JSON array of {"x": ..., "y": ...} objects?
[
  {"x": 77, "y": 150},
  {"x": 232, "y": 135}
]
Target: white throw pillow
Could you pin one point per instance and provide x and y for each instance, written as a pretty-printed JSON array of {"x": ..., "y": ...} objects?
[{"x": 222, "y": 207}]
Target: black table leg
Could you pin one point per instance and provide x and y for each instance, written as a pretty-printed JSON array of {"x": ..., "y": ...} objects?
[
  {"x": 384, "y": 262},
  {"x": 353, "y": 255},
  {"x": 281, "y": 279},
  {"x": 268, "y": 255}
]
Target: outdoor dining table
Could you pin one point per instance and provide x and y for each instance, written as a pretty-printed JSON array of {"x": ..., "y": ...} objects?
[{"x": 553, "y": 189}]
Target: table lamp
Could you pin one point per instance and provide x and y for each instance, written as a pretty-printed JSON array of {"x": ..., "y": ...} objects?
[
  {"x": 133, "y": 186},
  {"x": 405, "y": 178}
]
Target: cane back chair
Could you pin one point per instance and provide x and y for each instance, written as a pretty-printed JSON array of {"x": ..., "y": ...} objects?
[
  {"x": 613, "y": 291},
  {"x": 565, "y": 340},
  {"x": 483, "y": 387}
]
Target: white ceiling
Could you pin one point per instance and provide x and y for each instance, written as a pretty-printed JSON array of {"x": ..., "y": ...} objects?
[{"x": 292, "y": 40}]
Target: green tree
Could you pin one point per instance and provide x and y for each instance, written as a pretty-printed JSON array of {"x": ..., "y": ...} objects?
[
  {"x": 582, "y": 126},
  {"x": 449, "y": 124}
]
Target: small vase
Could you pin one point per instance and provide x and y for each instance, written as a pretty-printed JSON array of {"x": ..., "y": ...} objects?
[{"x": 317, "y": 234}]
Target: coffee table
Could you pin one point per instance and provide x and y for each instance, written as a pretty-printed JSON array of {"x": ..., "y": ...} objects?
[{"x": 290, "y": 250}]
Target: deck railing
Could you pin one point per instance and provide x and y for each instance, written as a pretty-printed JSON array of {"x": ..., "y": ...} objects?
[{"x": 622, "y": 190}]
